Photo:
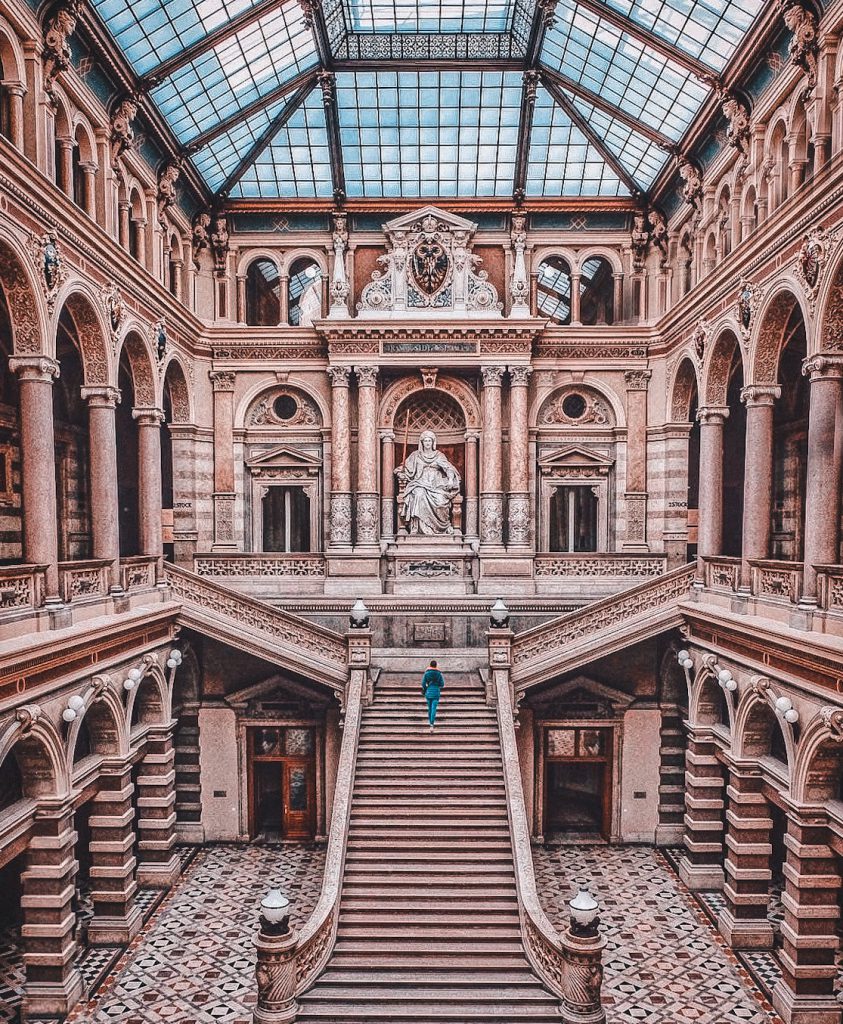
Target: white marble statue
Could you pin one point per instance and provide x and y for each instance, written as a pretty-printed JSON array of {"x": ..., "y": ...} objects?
[
  {"x": 310, "y": 303},
  {"x": 430, "y": 484}
]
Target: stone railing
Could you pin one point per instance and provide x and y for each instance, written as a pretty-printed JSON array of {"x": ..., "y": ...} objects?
[
  {"x": 721, "y": 572},
  {"x": 830, "y": 587},
  {"x": 317, "y": 937},
  {"x": 598, "y": 567},
  {"x": 138, "y": 572},
  {"x": 22, "y": 587},
  {"x": 258, "y": 565},
  {"x": 217, "y": 610},
  {"x": 777, "y": 581},
  {"x": 86, "y": 578},
  {"x": 536, "y": 652}
]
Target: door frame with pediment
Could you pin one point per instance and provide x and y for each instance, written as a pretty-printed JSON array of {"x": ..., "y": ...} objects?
[
  {"x": 574, "y": 466},
  {"x": 285, "y": 466}
]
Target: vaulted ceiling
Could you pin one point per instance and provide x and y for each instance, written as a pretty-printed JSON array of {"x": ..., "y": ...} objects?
[{"x": 460, "y": 98}]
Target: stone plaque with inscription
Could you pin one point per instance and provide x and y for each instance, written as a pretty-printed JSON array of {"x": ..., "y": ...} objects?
[{"x": 428, "y": 632}]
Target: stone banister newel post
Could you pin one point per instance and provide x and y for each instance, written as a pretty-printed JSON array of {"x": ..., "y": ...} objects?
[
  {"x": 637, "y": 383},
  {"x": 149, "y": 422},
  {"x": 40, "y": 532},
  {"x": 822, "y": 498},
  {"x": 367, "y": 455},
  {"x": 491, "y": 495},
  {"x": 340, "y": 458},
  {"x": 500, "y": 658},
  {"x": 224, "y": 496},
  {"x": 758, "y": 479},
  {"x": 359, "y": 641},
  {"x": 275, "y": 971},
  {"x": 105, "y": 502},
  {"x": 710, "y": 533},
  {"x": 519, "y": 457},
  {"x": 582, "y": 975}
]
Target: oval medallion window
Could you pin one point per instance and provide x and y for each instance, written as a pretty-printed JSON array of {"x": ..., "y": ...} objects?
[
  {"x": 574, "y": 406},
  {"x": 285, "y": 407}
]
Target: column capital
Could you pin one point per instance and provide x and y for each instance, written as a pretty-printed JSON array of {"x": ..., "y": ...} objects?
[
  {"x": 367, "y": 376},
  {"x": 760, "y": 394},
  {"x": 148, "y": 416},
  {"x": 339, "y": 376},
  {"x": 222, "y": 380},
  {"x": 38, "y": 368},
  {"x": 102, "y": 396},
  {"x": 472, "y": 436},
  {"x": 823, "y": 365},
  {"x": 637, "y": 380},
  {"x": 387, "y": 435},
  {"x": 492, "y": 376},
  {"x": 715, "y": 414},
  {"x": 519, "y": 376}
]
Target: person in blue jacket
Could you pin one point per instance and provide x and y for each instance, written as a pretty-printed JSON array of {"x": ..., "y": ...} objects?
[{"x": 433, "y": 682}]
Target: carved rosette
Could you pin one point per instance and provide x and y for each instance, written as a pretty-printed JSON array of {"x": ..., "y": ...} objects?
[
  {"x": 519, "y": 520},
  {"x": 367, "y": 519},
  {"x": 491, "y": 519},
  {"x": 341, "y": 519}
]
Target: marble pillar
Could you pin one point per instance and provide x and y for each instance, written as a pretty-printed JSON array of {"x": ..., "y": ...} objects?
[
  {"x": 471, "y": 513},
  {"x": 491, "y": 493},
  {"x": 124, "y": 215},
  {"x": 575, "y": 300},
  {"x": 150, "y": 532},
  {"x": 710, "y": 532},
  {"x": 367, "y": 455},
  {"x": 38, "y": 458},
  {"x": 224, "y": 496},
  {"x": 637, "y": 383},
  {"x": 105, "y": 498},
  {"x": 64, "y": 170},
  {"x": 758, "y": 475},
  {"x": 340, "y": 457},
  {"x": 388, "y": 485},
  {"x": 16, "y": 93},
  {"x": 822, "y": 497},
  {"x": 519, "y": 457},
  {"x": 241, "y": 299}
]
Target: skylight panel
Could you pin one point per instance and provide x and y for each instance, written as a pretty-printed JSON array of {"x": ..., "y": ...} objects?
[
  {"x": 259, "y": 58},
  {"x": 640, "y": 157},
  {"x": 709, "y": 30},
  {"x": 418, "y": 16},
  {"x": 151, "y": 31},
  {"x": 620, "y": 69},
  {"x": 218, "y": 158},
  {"x": 561, "y": 160},
  {"x": 297, "y": 163},
  {"x": 430, "y": 133}
]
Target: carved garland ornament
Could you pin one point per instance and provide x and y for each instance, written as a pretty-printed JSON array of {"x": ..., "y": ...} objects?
[
  {"x": 576, "y": 406},
  {"x": 296, "y": 411}
]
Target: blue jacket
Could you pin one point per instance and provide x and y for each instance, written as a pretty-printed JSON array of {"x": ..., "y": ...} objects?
[{"x": 432, "y": 683}]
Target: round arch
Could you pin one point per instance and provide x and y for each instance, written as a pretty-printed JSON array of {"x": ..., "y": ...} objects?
[
  {"x": 598, "y": 252},
  {"x": 294, "y": 382},
  {"x": 250, "y": 255},
  {"x": 11, "y": 55},
  {"x": 149, "y": 701},
  {"x": 29, "y": 333},
  {"x": 34, "y": 741},
  {"x": 141, "y": 363},
  {"x": 819, "y": 759},
  {"x": 769, "y": 333},
  {"x": 716, "y": 369},
  {"x": 91, "y": 332},
  {"x": 103, "y": 716},
  {"x": 406, "y": 386},
  {"x": 830, "y": 307},
  {"x": 681, "y": 389},
  {"x": 755, "y": 720},
  {"x": 290, "y": 256},
  {"x": 588, "y": 381},
  {"x": 706, "y": 697},
  {"x": 174, "y": 378}
]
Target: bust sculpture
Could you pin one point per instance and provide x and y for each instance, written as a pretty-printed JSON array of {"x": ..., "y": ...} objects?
[{"x": 430, "y": 484}]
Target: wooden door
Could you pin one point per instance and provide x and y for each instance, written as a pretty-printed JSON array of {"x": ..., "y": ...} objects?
[{"x": 299, "y": 798}]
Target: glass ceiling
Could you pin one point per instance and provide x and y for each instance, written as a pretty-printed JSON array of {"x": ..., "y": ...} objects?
[{"x": 222, "y": 73}]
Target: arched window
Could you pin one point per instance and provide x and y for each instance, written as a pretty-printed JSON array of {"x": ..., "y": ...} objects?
[
  {"x": 5, "y": 105},
  {"x": 304, "y": 276},
  {"x": 78, "y": 175},
  {"x": 597, "y": 298},
  {"x": 263, "y": 294},
  {"x": 553, "y": 294}
]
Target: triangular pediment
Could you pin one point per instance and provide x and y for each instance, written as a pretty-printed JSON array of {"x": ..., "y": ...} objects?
[
  {"x": 407, "y": 220},
  {"x": 275, "y": 690},
  {"x": 580, "y": 694},
  {"x": 575, "y": 455},
  {"x": 285, "y": 455}
]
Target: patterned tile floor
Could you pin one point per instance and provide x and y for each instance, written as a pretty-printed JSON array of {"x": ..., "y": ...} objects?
[{"x": 664, "y": 963}]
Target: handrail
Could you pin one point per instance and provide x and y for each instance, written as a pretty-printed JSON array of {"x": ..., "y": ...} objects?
[
  {"x": 542, "y": 943},
  {"x": 546, "y": 640},
  {"x": 317, "y": 937},
  {"x": 325, "y": 648}
]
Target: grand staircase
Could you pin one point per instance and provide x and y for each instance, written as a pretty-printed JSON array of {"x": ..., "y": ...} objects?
[{"x": 428, "y": 925}]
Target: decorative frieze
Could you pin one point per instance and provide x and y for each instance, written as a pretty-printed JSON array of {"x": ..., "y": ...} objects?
[
  {"x": 253, "y": 566},
  {"x": 599, "y": 566}
]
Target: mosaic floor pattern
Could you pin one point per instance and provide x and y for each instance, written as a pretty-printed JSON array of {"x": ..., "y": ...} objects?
[{"x": 664, "y": 964}]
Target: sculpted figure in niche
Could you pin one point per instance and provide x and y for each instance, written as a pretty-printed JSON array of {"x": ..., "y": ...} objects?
[
  {"x": 430, "y": 485},
  {"x": 310, "y": 303}
]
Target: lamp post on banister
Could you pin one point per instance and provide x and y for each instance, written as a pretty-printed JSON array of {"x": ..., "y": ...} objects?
[
  {"x": 276, "y": 967},
  {"x": 582, "y": 952}
]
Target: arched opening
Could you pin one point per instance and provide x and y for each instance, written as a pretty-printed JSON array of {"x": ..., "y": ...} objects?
[
  {"x": 762, "y": 734},
  {"x": 5, "y": 96},
  {"x": 127, "y": 462},
  {"x": 779, "y": 157},
  {"x": 82, "y": 163},
  {"x": 63, "y": 145},
  {"x": 70, "y": 415},
  {"x": 734, "y": 449},
  {"x": 137, "y": 227},
  {"x": 263, "y": 294},
  {"x": 712, "y": 707},
  {"x": 146, "y": 708},
  {"x": 175, "y": 266},
  {"x": 710, "y": 258},
  {"x": 749, "y": 220},
  {"x": 11, "y": 533},
  {"x": 597, "y": 292},
  {"x": 790, "y": 445},
  {"x": 304, "y": 291},
  {"x": 176, "y": 406},
  {"x": 553, "y": 289},
  {"x": 686, "y": 265}
]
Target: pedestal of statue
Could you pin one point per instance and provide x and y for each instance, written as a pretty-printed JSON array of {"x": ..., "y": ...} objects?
[{"x": 430, "y": 566}]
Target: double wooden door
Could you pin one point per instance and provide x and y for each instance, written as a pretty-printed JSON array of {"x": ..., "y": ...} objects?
[{"x": 282, "y": 784}]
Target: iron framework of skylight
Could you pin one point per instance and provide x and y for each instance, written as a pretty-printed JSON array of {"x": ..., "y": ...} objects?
[{"x": 617, "y": 84}]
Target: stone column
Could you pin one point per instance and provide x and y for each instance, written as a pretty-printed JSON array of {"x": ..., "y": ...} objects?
[
  {"x": 223, "y": 384},
  {"x": 367, "y": 455},
  {"x": 123, "y": 218},
  {"x": 140, "y": 226},
  {"x": 758, "y": 475},
  {"x": 38, "y": 460},
  {"x": 241, "y": 298},
  {"x": 340, "y": 458},
  {"x": 177, "y": 271},
  {"x": 701, "y": 866},
  {"x": 89, "y": 170},
  {"x": 105, "y": 500},
  {"x": 637, "y": 382},
  {"x": 64, "y": 171},
  {"x": 805, "y": 992},
  {"x": 575, "y": 299},
  {"x": 491, "y": 496},
  {"x": 285, "y": 299},
  {"x": 149, "y": 481},
  {"x": 472, "y": 501},
  {"x": 519, "y": 457},
  {"x": 16, "y": 93},
  {"x": 822, "y": 498},
  {"x": 117, "y": 918},
  {"x": 710, "y": 532},
  {"x": 388, "y": 485},
  {"x": 53, "y": 982},
  {"x": 743, "y": 922},
  {"x": 617, "y": 298},
  {"x": 158, "y": 863}
]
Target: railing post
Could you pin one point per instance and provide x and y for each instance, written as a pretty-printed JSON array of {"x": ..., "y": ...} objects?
[
  {"x": 500, "y": 660},
  {"x": 582, "y": 975},
  {"x": 275, "y": 971},
  {"x": 359, "y": 659}
]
